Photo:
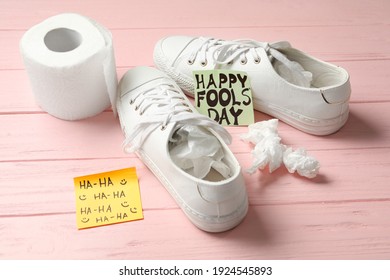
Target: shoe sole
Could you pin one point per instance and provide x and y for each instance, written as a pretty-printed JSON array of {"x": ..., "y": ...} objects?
[
  {"x": 309, "y": 125},
  {"x": 206, "y": 223},
  {"x": 313, "y": 126}
]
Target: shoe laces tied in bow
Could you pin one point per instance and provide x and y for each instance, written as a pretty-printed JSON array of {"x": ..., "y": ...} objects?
[{"x": 172, "y": 108}]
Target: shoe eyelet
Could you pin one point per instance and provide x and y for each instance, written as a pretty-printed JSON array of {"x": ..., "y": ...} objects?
[
  {"x": 190, "y": 62},
  {"x": 136, "y": 108},
  {"x": 203, "y": 63},
  {"x": 257, "y": 60},
  {"x": 163, "y": 127},
  {"x": 189, "y": 110},
  {"x": 141, "y": 113},
  {"x": 131, "y": 101},
  {"x": 243, "y": 62}
]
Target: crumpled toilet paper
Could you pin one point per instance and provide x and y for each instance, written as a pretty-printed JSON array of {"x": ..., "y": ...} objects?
[
  {"x": 269, "y": 151},
  {"x": 197, "y": 151},
  {"x": 294, "y": 74},
  {"x": 70, "y": 61},
  {"x": 300, "y": 162}
]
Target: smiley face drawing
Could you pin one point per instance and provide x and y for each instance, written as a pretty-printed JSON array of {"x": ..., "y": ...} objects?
[
  {"x": 125, "y": 204},
  {"x": 123, "y": 182},
  {"x": 133, "y": 210},
  {"x": 82, "y": 197},
  {"x": 85, "y": 220}
]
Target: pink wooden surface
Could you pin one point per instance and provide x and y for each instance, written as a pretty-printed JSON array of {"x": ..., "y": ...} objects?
[{"x": 342, "y": 214}]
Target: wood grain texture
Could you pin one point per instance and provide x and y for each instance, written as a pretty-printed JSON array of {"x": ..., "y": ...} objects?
[
  {"x": 135, "y": 46},
  {"x": 350, "y": 231},
  {"x": 341, "y": 214}
]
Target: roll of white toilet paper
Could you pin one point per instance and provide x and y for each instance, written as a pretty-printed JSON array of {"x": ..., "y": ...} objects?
[{"x": 70, "y": 62}]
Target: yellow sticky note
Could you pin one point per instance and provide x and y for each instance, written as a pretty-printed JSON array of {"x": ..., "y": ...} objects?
[{"x": 107, "y": 198}]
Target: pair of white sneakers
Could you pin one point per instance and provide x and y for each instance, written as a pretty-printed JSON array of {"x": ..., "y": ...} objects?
[{"x": 158, "y": 119}]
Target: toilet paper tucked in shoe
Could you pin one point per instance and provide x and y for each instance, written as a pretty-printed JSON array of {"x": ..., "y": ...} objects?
[
  {"x": 70, "y": 62},
  {"x": 196, "y": 151}
]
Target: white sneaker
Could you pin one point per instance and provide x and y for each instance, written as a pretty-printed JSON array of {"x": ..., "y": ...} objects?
[
  {"x": 309, "y": 94},
  {"x": 152, "y": 108}
]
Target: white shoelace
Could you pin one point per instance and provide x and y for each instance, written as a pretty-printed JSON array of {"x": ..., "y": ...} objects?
[
  {"x": 172, "y": 108},
  {"x": 225, "y": 52}
]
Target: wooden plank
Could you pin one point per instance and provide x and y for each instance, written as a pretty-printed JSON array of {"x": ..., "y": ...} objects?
[
  {"x": 46, "y": 187},
  {"x": 369, "y": 80},
  {"x": 344, "y": 176},
  {"x": 201, "y": 13},
  {"x": 43, "y": 137},
  {"x": 319, "y": 231},
  {"x": 365, "y": 88},
  {"x": 135, "y": 46},
  {"x": 40, "y": 136},
  {"x": 342, "y": 214}
]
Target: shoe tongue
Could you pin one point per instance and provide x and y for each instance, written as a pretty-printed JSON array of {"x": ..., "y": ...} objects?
[{"x": 198, "y": 152}]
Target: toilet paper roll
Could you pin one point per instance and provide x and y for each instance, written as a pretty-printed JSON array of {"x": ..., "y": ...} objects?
[{"x": 70, "y": 62}]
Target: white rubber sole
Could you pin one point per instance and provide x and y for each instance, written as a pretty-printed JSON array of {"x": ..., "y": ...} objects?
[
  {"x": 204, "y": 222},
  {"x": 320, "y": 127}
]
